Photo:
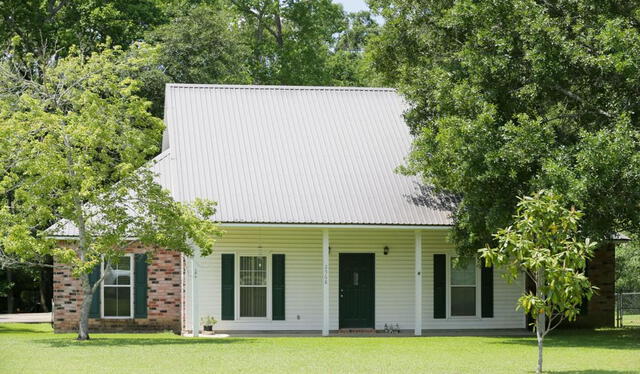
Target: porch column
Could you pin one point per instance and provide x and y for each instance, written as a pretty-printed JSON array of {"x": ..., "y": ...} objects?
[
  {"x": 418, "y": 286},
  {"x": 325, "y": 282},
  {"x": 195, "y": 306}
]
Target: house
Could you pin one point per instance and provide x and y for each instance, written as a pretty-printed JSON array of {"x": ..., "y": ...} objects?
[{"x": 321, "y": 233}]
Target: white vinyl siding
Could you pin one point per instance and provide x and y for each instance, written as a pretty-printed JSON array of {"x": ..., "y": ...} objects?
[{"x": 394, "y": 278}]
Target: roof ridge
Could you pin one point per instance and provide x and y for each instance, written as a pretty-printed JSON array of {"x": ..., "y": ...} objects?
[{"x": 277, "y": 87}]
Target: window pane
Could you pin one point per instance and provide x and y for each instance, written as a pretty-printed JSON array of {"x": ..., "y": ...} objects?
[
  {"x": 253, "y": 271},
  {"x": 117, "y": 301},
  {"x": 463, "y": 273},
  {"x": 463, "y": 301},
  {"x": 110, "y": 301},
  {"x": 253, "y": 301},
  {"x": 120, "y": 273}
]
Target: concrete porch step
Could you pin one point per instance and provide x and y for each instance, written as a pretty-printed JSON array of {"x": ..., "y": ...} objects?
[{"x": 356, "y": 331}]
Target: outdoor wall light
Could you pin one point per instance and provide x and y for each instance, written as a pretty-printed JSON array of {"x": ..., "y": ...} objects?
[{"x": 385, "y": 250}]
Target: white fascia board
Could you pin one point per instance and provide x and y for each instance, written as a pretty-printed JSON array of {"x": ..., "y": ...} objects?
[{"x": 337, "y": 226}]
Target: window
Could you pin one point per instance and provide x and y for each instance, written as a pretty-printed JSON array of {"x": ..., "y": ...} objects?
[
  {"x": 463, "y": 287},
  {"x": 117, "y": 289},
  {"x": 253, "y": 286}
]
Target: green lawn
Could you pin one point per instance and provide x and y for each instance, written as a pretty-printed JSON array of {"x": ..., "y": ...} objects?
[
  {"x": 631, "y": 320},
  {"x": 28, "y": 349}
]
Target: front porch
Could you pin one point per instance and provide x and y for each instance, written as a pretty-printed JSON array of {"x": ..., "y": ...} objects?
[{"x": 316, "y": 286}]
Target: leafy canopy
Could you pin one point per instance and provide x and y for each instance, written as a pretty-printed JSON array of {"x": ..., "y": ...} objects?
[
  {"x": 543, "y": 244},
  {"x": 74, "y": 147},
  {"x": 628, "y": 267},
  {"x": 515, "y": 96}
]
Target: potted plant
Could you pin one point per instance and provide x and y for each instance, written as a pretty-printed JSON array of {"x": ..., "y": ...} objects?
[{"x": 208, "y": 322}]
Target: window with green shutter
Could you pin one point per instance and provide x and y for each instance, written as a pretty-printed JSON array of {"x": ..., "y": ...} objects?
[{"x": 117, "y": 289}]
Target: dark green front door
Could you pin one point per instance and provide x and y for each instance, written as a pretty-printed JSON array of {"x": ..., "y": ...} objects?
[{"x": 357, "y": 290}]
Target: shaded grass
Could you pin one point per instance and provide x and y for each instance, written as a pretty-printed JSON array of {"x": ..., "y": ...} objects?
[
  {"x": 35, "y": 349},
  {"x": 631, "y": 320}
]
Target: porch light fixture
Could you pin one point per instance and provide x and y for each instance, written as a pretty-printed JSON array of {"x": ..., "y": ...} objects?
[{"x": 385, "y": 250}]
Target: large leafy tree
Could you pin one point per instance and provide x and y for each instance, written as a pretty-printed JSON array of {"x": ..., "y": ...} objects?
[
  {"x": 83, "y": 23},
  {"x": 74, "y": 145},
  {"x": 507, "y": 98},
  {"x": 203, "y": 46},
  {"x": 348, "y": 64},
  {"x": 628, "y": 267},
  {"x": 544, "y": 243},
  {"x": 290, "y": 40}
]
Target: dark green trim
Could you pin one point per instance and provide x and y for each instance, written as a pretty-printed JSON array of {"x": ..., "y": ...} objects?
[
  {"x": 356, "y": 280},
  {"x": 228, "y": 285},
  {"x": 584, "y": 306},
  {"x": 277, "y": 287},
  {"x": 486, "y": 290},
  {"x": 94, "y": 276},
  {"x": 439, "y": 286},
  {"x": 140, "y": 286}
]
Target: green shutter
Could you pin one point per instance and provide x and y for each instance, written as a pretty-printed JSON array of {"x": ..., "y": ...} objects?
[
  {"x": 94, "y": 276},
  {"x": 277, "y": 287},
  {"x": 228, "y": 285},
  {"x": 584, "y": 306},
  {"x": 439, "y": 286},
  {"x": 486, "y": 290},
  {"x": 140, "y": 286}
]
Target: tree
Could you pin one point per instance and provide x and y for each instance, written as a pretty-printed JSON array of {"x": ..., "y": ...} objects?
[
  {"x": 203, "y": 46},
  {"x": 512, "y": 97},
  {"x": 543, "y": 244},
  {"x": 347, "y": 63},
  {"x": 74, "y": 146},
  {"x": 83, "y": 23},
  {"x": 628, "y": 267},
  {"x": 290, "y": 39}
]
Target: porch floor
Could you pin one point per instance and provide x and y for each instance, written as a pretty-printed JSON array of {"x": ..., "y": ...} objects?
[{"x": 381, "y": 334}]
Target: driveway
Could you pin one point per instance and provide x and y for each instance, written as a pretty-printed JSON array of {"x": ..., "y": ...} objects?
[{"x": 25, "y": 318}]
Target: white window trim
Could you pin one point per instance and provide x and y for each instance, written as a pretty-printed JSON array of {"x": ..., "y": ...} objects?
[
  {"x": 131, "y": 286},
  {"x": 477, "y": 316},
  {"x": 268, "y": 316}
]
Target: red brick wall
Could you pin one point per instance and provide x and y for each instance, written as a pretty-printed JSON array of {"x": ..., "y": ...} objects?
[
  {"x": 601, "y": 307},
  {"x": 602, "y": 274},
  {"x": 163, "y": 298}
]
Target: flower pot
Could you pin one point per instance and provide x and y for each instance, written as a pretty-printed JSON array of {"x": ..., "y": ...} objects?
[{"x": 208, "y": 328}]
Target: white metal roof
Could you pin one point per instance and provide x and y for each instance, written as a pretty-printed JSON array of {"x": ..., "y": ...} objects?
[{"x": 279, "y": 154}]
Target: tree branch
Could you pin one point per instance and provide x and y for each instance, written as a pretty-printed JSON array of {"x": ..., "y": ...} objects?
[{"x": 580, "y": 99}]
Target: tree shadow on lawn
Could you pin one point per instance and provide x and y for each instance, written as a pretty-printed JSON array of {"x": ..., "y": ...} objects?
[
  {"x": 21, "y": 330},
  {"x": 619, "y": 339},
  {"x": 135, "y": 341}
]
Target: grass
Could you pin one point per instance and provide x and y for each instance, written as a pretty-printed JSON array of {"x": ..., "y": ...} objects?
[
  {"x": 631, "y": 320},
  {"x": 29, "y": 348}
]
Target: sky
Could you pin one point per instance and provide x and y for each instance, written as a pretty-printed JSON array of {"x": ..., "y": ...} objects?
[{"x": 352, "y": 5}]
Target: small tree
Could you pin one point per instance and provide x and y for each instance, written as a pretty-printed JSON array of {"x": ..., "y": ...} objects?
[
  {"x": 543, "y": 244},
  {"x": 74, "y": 145}
]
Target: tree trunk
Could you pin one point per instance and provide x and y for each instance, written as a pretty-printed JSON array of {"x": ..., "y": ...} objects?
[
  {"x": 10, "y": 292},
  {"x": 278, "y": 22},
  {"x": 541, "y": 321},
  {"x": 44, "y": 301},
  {"x": 540, "y": 337},
  {"x": 83, "y": 323}
]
